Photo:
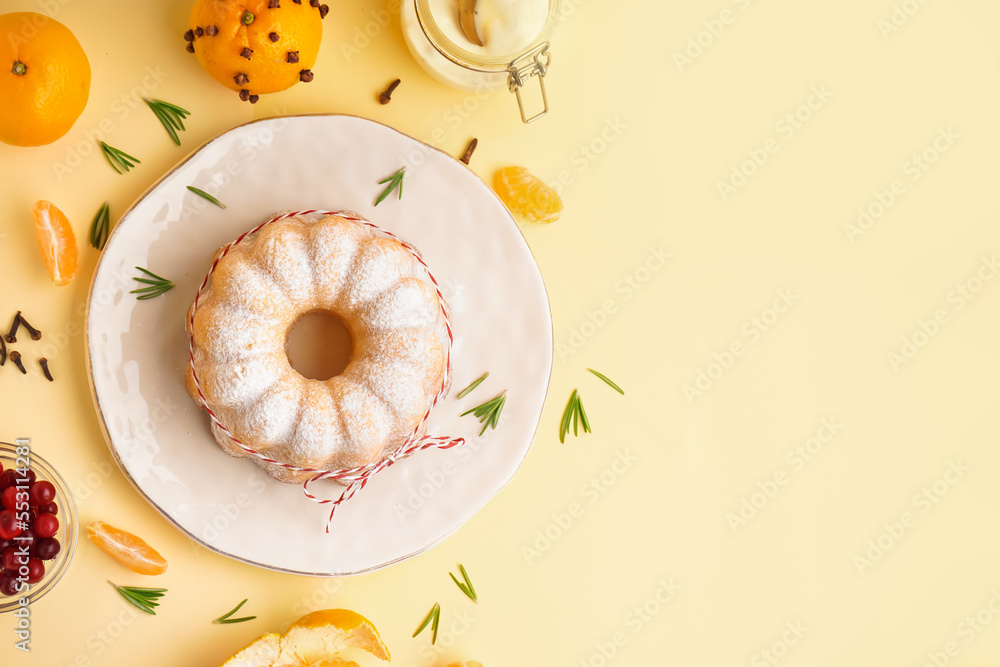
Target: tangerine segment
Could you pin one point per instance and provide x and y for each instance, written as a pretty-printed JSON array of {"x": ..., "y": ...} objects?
[
  {"x": 527, "y": 196},
  {"x": 44, "y": 79},
  {"x": 56, "y": 242},
  {"x": 128, "y": 549}
]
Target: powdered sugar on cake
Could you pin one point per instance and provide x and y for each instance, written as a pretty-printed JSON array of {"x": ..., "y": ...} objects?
[{"x": 261, "y": 287}]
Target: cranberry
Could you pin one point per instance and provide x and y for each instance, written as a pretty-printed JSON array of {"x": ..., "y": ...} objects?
[
  {"x": 48, "y": 508},
  {"x": 11, "y": 496},
  {"x": 36, "y": 570},
  {"x": 7, "y": 478},
  {"x": 28, "y": 537},
  {"x": 46, "y": 525},
  {"x": 24, "y": 477},
  {"x": 10, "y": 527},
  {"x": 47, "y": 548},
  {"x": 41, "y": 493},
  {"x": 10, "y": 560},
  {"x": 9, "y": 585}
]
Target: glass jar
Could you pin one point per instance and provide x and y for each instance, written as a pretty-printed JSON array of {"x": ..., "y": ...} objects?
[{"x": 434, "y": 35}]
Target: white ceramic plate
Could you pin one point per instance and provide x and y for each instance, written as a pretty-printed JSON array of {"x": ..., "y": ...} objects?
[{"x": 137, "y": 350}]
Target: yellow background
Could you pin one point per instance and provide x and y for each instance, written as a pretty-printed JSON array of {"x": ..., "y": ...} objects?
[{"x": 641, "y": 139}]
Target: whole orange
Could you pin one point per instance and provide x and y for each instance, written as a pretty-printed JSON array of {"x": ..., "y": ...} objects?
[
  {"x": 44, "y": 79},
  {"x": 256, "y": 46}
]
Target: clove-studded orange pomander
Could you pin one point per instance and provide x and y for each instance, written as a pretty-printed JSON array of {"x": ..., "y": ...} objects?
[
  {"x": 256, "y": 46},
  {"x": 44, "y": 79}
]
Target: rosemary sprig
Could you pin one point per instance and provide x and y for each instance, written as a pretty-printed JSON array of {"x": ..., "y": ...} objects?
[
  {"x": 433, "y": 617},
  {"x": 157, "y": 285},
  {"x": 488, "y": 413},
  {"x": 171, "y": 115},
  {"x": 608, "y": 380},
  {"x": 100, "y": 226},
  {"x": 117, "y": 158},
  {"x": 467, "y": 587},
  {"x": 475, "y": 383},
  {"x": 225, "y": 618},
  {"x": 573, "y": 414},
  {"x": 202, "y": 193},
  {"x": 143, "y": 598},
  {"x": 394, "y": 181}
]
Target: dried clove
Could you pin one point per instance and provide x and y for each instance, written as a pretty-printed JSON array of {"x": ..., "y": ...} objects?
[
  {"x": 11, "y": 336},
  {"x": 245, "y": 95},
  {"x": 190, "y": 47},
  {"x": 212, "y": 31},
  {"x": 273, "y": 36},
  {"x": 15, "y": 356},
  {"x": 44, "y": 363},
  {"x": 306, "y": 76},
  {"x": 3, "y": 351},
  {"x": 273, "y": 4},
  {"x": 314, "y": 3},
  {"x": 32, "y": 331},
  {"x": 189, "y": 36},
  {"x": 246, "y": 52},
  {"x": 241, "y": 79},
  {"x": 254, "y": 98},
  {"x": 386, "y": 94},
  {"x": 323, "y": 11},
  {"x": 199, "y": 31},
  {"x": 292, "y": 57},
  {"x": 470, "y": 150}
]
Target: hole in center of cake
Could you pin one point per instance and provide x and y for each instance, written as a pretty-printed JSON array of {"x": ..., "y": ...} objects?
[{"x": 319, "y": 345}]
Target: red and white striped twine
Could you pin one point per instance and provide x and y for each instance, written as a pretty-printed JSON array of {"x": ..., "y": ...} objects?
[{"x": 356, "y": 478}]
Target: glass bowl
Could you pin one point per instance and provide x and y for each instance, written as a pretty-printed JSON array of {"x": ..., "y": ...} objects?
[{"x": 67, "y": 533}]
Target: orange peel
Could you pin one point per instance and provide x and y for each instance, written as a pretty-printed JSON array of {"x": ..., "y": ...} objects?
[
  {"x": 261, "y": 651},
  {"x": 315, "y": 640}
]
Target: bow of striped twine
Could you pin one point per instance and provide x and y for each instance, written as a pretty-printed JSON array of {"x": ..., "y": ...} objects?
[{"x": 354, "y": 479}]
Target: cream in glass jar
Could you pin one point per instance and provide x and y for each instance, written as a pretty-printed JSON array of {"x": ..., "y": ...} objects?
[{"x": 514, "y": 43}]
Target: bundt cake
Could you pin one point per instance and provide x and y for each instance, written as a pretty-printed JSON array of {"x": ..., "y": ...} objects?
[{"x": 239, "y": 324}]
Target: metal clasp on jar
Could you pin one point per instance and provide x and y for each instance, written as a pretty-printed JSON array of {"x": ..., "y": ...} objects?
[{"x": 533, "y": 63}]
